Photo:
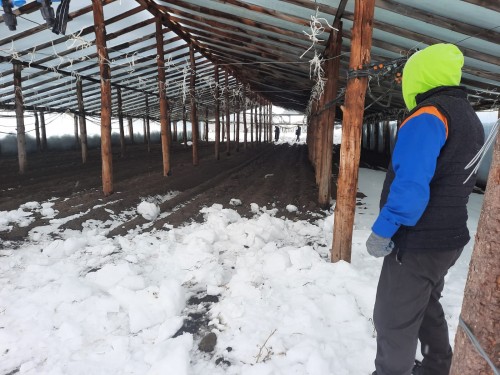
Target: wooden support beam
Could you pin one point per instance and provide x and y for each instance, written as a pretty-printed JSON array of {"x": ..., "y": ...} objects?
[
  {"x": 146, "y": 121},
  {"x": 21, "y": 135},
  {"x": 175, "y": 135},
  {"x": 217, "y": 113},
  {"x": 228, "y": 119},
  {"x": 194, "y": 115},
  {"x": 256, "y": 124},
  {"x": 237, "y": 132},
  {"x": 82, "y": 120},
  {"x": 270, "y": 113},
  {"x": 42, "y": 130},
  {"x": 332, "y": 71},
  {"x": 75, "y": 130},
  {"x": 105, "y": 72},
  {"x": 351, "y": 132},
  {"x": 260, "y": 122},
  {"x": 164, "y": 116},
  {"x": 131, "y": 130},
  {"x": 184, "y": 126},
  {"x": 245, "y": 129},
  {"x": 206, "y": 124},
  {"x": 37, "y": 132},
  {"x": 120, "y": 121}
]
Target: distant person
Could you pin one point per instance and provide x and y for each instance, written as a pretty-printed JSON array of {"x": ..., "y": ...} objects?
[
  {"x": 421, "y": 229},
  {"x": 297, "y": 133},
  {"x": 276, "y": 133}
]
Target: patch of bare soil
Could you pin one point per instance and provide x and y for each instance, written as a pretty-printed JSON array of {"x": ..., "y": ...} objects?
[{"x": 269, "y": 175}]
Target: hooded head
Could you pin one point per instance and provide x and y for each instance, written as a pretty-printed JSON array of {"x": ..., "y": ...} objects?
[{"x": 434, "y": 66}]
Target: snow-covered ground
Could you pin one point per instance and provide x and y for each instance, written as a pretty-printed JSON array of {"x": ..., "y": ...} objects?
[{"x": 77, "y": 302}]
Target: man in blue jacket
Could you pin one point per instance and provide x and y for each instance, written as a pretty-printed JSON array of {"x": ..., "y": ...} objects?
[{"x": 421, "y": 228}]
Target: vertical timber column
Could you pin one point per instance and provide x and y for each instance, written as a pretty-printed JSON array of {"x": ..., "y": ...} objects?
[
  {"x": 194, "y": 115},
  {"x": 42, "y": 130},
  {"x": 164, "y": 116},
  {"x": 75, "y": 129},
  {"x": 237, "y": 125},
  {"x": 148, "y": 128},
  {"x": 37, "y": 133},
  {"x": 82, "y": 120},
  {"x": 256, "y": 124},
  {"x": 217, "y": 113},
  {"x": 260, "y": 121},
  {"x": 270, "y": 109},
  {"x": 332, "y": 70},
  {"x": 19, "y": 107},
  {"x": 184, "y": 126},
  {"x": 206, "y": 124},
  {"x": 228, "y": 117},
  {"x": 175, "y": 135},
  {"x": 105, "y": 71},
  {"x": 480, "y": 306},
  {"x": 120, "y": 122},
  {"x": 245, "y": 129},
  {"x": 351, "y": 132},
  {"x": 251, "y": 124},
  {"x": 144, "y": 130},
  {"x": 131, "y": 130}
]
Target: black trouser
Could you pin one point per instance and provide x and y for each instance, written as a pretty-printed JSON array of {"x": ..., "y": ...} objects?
[{"x": 407, "y": 309}]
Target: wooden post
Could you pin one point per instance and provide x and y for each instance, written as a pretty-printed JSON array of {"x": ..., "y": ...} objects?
[
  {"x": 194, "y": 115},
  {"x": 148, "y": 128},
  {"x": 164, "y": 120},
  {"x": 228, "y": 118},
  {"x": 175, "y": 135},
  {"x": 251, "y": 124},
  {"x": 184, "y": 126},
  {"x": 480, "y": 307},
  {"x": 223, "y": 125},
  {"x": 256, "y": 114},
  {"x": 19, "y": 108},
  {"x": 260, "y": 121},
  {"x": 332, "y": 70},
  {"x": 75, "y": 129},
  {"x": 105, "y": 71},
  {"x": 351, "y": 132},
  {"x": 37, "y": 132},
  {"x": 144, "y": 130},
  {"x": 237, "y": 126},
  {"x": 245, "y": 129},
  {"x": 206, "y": 124},
  {"x": 217, "y": 113},
  {"x": 131, "y": 130},
  {"x": 42, "y": 130},
  {"x": 120, "y": 122},
  {"x": 82, "y": 120},
  {"x": 270, "y": 113}
]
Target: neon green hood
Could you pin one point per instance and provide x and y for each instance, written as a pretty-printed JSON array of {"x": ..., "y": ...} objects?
[{"x": 434, "y": 66}]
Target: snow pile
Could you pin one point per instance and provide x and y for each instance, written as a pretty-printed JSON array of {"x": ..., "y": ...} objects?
[{"x": 78, "y": 302}]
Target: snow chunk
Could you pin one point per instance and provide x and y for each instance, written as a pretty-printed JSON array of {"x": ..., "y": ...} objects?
[
  {"x": 254, "y": 207},
  {"x": 291, "y": 208},
  {"x": 235, "y": 202},
  {"x": 149, "y": 211}
]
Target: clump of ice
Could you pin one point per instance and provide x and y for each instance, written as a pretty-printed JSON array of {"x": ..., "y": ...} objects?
[{"x": 291, "y": 208}]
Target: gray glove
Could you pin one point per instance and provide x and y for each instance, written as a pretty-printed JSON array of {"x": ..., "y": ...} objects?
[{"x": 379, "y": 246}]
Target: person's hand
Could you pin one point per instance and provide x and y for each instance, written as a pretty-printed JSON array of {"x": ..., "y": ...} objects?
[{"x": 379, "y": 246}]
